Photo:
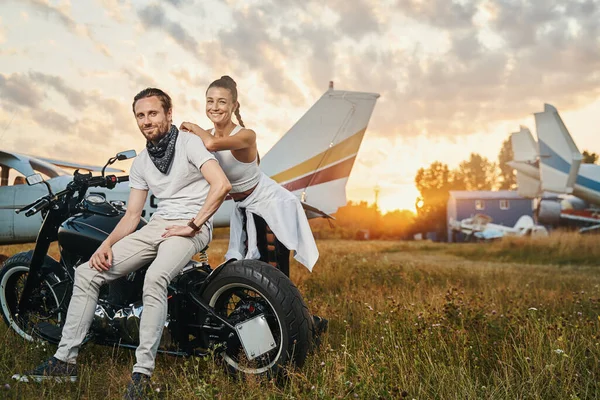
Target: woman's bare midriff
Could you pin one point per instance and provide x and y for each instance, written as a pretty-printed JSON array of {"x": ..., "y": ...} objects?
[{"x": 239, "y": 196}]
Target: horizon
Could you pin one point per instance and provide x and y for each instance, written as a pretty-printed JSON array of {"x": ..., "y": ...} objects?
[{"x": 453, "y": 80}]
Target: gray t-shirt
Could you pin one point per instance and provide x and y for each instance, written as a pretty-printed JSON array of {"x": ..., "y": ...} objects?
[{"x": 182, "y": 191}]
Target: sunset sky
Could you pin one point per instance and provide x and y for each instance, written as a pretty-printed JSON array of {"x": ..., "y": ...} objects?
[{"x": 454, "y": 77}]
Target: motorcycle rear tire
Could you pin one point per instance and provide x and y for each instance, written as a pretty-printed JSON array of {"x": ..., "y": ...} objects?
[{"x": 289, "y": 319}]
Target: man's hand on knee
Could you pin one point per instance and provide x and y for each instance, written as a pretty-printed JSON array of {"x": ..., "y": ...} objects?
[
  {"x": 179, "y": 230},
  {"x": 102, "y": 258}
]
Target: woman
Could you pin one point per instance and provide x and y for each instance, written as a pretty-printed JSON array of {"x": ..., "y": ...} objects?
[{"x": 252, "y": 190}]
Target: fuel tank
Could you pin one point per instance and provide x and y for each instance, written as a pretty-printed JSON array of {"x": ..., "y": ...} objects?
[{"x": 83, "y": 233}]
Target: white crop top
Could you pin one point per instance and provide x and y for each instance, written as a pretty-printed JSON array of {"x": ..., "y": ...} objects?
[{"x": 241, "y": 175}]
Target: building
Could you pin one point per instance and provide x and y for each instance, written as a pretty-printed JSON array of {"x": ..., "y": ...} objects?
[{"x": 505, "y": 207}]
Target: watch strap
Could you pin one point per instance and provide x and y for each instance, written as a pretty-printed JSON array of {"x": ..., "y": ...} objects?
[{"x": 193, "y": 225}]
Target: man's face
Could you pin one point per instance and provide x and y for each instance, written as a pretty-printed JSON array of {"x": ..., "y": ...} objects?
[
  {"x": 151, "y": 118},
  {"x": 219, "y": 105}
]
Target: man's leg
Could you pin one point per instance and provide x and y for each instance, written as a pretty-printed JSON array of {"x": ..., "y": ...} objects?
[
  {"x": 173, "y": 254},
  {"x": 129, "y": 254}
]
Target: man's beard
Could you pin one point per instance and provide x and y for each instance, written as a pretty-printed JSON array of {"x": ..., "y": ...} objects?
[{"x": 158, "y": 132}]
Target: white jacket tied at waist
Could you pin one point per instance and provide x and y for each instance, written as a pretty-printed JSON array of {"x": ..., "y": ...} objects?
[{"x": 285, "y": 216}]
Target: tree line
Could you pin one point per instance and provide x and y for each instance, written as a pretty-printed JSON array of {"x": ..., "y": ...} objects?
[{"x": 477, "y": 173}]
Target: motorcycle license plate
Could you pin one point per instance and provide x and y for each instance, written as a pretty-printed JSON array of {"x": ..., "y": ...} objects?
[{"x": 256, "y": 336}]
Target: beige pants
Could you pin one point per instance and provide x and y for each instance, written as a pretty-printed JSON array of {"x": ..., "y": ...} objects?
[{"x": 129, "y": 254}]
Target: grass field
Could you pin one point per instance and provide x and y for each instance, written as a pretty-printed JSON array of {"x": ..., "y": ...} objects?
[{"x": 508, "y": 320}]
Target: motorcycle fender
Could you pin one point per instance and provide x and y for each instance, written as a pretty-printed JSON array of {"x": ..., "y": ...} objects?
[
  {"x": 50, "y": 265},
  {"x": 215, "y": 272}
]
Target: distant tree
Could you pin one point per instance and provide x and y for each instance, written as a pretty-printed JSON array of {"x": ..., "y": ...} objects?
[
  {"x": 589, "y": 158},
  {"x": 353, "y": 219},
  {"x": 476, "y": 173},
  {"x": 507, "y": 177},
  {"x": 434, "y": 184}
]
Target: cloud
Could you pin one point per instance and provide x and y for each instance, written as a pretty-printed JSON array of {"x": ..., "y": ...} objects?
[
  {"x": 48, "y": 118},
  {"x": 19, "y": 90},
  {"x": 75, "y": 98},
  {"x": 58, "y": 13},
  {"x": 115, "y": 9},
  {"x": 440, "y": 13},
  {"x": 357, "y": 18},
  {"x": 153, "y": 17}
]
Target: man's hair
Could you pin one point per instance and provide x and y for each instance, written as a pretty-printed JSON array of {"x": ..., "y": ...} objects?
[{"x": 164, "y": 98}]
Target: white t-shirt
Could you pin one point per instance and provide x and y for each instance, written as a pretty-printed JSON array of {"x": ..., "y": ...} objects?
[{"x": 181, "y": 192}]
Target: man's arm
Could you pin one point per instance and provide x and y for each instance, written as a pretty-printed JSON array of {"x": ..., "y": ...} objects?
[
  {"x": 102, "y": 259},
  {"x": 241, "y": 140},
  {"x": 219, "y": 187}
]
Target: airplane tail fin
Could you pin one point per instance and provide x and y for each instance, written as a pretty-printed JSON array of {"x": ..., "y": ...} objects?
[
  {"x": 524, "y": 146},
  {"x": 525, "y": 151},
  {"x": 559, "y": 156},
  {"x": 315, "y": 157}
]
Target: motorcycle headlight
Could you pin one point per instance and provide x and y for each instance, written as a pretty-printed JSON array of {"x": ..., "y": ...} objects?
[{"x": 95, "y": 199}]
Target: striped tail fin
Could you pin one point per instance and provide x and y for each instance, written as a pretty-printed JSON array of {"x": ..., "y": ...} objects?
[
  {"x": 559, "y": 156},
  {"x": 315, "y": 157}
]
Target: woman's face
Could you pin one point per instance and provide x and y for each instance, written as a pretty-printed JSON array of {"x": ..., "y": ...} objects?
[{"x": 219, "y": 105}]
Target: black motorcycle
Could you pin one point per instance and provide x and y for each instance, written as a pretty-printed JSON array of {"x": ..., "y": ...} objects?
[{"x": 246, "y": 311}]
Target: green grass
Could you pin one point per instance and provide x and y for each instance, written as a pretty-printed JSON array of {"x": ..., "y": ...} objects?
[{"x": 419, "y": 320}]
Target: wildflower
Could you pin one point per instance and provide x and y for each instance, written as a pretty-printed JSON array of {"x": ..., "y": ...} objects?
[
  {"x": 157, "y": 390},
  {"x": 7, "y": 386},
  {"x": 312, "y": 387},
  {"x": 493, "y": 312},
  {"x": 322, "y": 363},
  {"x": 436, "y": 325},
  {"x": 559, "y": 351}
]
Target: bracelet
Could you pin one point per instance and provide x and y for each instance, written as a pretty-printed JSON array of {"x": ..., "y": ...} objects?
[{"x": 193, "y": 225}]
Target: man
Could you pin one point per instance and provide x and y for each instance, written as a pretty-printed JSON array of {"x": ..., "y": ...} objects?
[{"x": 190, "y": 186}]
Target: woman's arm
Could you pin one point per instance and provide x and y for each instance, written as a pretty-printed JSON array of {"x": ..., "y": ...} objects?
[{"x": 241, "y": 140}]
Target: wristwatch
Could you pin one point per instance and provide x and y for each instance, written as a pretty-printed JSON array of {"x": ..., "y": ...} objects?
[{"x": 193, "y": 225}]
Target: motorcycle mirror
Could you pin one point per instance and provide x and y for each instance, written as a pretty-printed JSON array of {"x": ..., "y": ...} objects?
[
  {"x": 34, "y": 179},
  {"x": 125, "y": 155}
]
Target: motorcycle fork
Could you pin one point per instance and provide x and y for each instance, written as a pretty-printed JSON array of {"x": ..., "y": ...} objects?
[{"x": 36, "y": 271}]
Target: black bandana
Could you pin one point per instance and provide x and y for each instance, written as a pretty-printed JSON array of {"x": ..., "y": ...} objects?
[{"x": 162, "y": 154}]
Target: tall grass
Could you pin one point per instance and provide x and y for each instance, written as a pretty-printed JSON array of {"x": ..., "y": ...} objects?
[
  {"x": 414, "y": 320},
  {"x": 560, "y": 248}
]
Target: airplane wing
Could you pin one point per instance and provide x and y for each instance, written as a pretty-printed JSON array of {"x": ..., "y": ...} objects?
[{"x": 93, "y": 168}]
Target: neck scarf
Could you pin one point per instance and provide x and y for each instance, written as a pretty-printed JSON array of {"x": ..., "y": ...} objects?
[{"x": 162, "y": 154}]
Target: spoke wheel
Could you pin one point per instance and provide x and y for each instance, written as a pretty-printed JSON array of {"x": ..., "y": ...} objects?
[
  {"x": 238, "y": 303},
  {"x": 46, "y": 305},
  {"x": 242, "y": 290}
]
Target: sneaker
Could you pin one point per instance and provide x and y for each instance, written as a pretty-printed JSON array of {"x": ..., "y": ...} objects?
[
  {"x": 52, "y": 369},
  {"x": 138, "y": 388}
]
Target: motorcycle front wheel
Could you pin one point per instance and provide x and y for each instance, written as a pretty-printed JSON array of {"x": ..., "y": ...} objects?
[
  {"x": 246, "y": 289},
  {"x": 46, "y": 311}
]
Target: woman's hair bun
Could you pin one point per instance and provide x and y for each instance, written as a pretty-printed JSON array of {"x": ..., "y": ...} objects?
[{"x": 228, "y": 78}]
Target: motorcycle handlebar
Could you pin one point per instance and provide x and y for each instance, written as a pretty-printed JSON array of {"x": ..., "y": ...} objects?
[
  {"x": 39, "y": 206},
  {"x": 109, "y": 182}
]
